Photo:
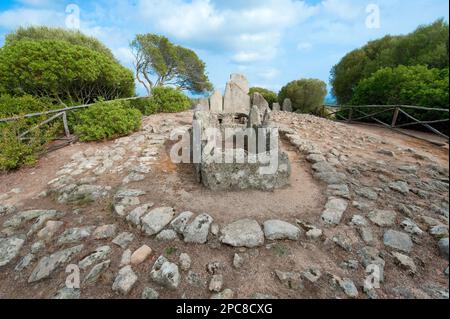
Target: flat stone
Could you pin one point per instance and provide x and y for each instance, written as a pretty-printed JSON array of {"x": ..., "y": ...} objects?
[
  {"x": 197, "y": 231},
  {"x": 443, "y": 247},
  {"x": 216, "y": 283},
  {"x": 180, "y": 222},
  {"x": 366, "y": 235},
  {"x": 243, "y": 233},
  {"x": 37, "y": 247},
  {"x": 123, "y": 239},
  {"x": 50, "y": 229},
  {"x": 410, "y": 227},
  {"x": 399, "y": 186},
  {"x": 67, "y": 293},
  {"x": 9, "y": 249},
  {"x": 339, "y": 190},
  {"x": 167, "y": 235},
  {"x": 165, "y": 273},
  {"x": 18, "y": 219},
  {"x": 312, "y": 275},
  {"x": 334, "y": 209},
  {"x": 290, "y": 280},
  {"x": 105, "y": 231},
  {"x": 125, "y": 280},
  {"x": 99, "y": 254},
  {"x": 349, "y": 288},
  {"x": 126, "y": 258},
  {"x": 358, "y": 220},
  {"x": 156, "y": 220},
  {"x": 149, "y": 293},
  {"x": 48, "y": 264},
  {"x": 185, "y": 261},
  {"x": 25, "y": 262},
  {"x": 366, "y": 192},
  {"x": 439, "y": 231},
  {"x": 278, "y": 229},
  {"x": 96, "y": 272},
  {"x": 383, "y": 218},
  {"x": 136, "y": 214},
  {"x": 238, "y": 261},
  {"x": 405, "y": 262},
  {"x": 398, "y": 240},
  {"x": 140, "y": 255}
]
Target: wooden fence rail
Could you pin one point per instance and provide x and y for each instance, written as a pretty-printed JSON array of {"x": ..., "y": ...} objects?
[{"x": 355, "y": 112}]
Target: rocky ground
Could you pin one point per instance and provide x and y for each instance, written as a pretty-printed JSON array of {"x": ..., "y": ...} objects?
[{"x": 138, "y": 226}]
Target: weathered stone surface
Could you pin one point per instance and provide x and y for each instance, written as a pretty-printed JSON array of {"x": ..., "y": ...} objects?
[
  {"x": 278, "y": 229},
  {"x": 225, "y": 294},
  {"x": 238, "y": 261},
  {"x": 196, "y": 280},
  {"x": 67, "y": 293},
  {"x": 216, "y": 102},
  {"x": 398, "y": 240},
  {"x": 410, "y": 227},
  {"x": 439, "y": 231},
  {"x": 17, "y": 219},
  {"x": 96, "y": 272},
  {"x": 105, "y": 231},
  {"x": 276, "y": 107},
  {"x": 185, "y": 261},
  {"x": 48, "y": 264},
  {"x": 312, "y": 275},
  {"x": 75, "y": 234},
  {"x": 443, "y": 247},
  {"x": 400, "y": 186},
  {"x": 290, "y": 280},
  {"x": 140, "y": 255},
  {"x": 366, "y": 235},
  {"x": 126, "y": 258},
  {"x": 7, "y": 209},
  {"x": 125, "y": 280},
  {"x": 99, "y": 254},
  {"x": 123, "y": 239},
  {"x": 366, "y": 192},
  {"x": 383, "y": 218},
  {"x": 156, "y": 220},
  {"x": 197, "y": 231},
  {"x": 50, "y": 229},
  {"x": 136, "y": 214},
  {"x": 37, "y": 247},
  {"x": 82, "y": 193},
  {"x": 149, "y": 293},
  {"x": 165, "y": 273},
  {"x": 180, "y": 222},
  {"x": 9, "y": 249},
  {"x": 348, "y": 287},
  {"x": 254, "y": 117},
  {"x": 243, "y": 233},
  {"x": 358, "y": 220},
  {"x": 203, "y": 104},
  {"x": 405, "y": 262},
  {"x": 216, "y": 283},
  {"x": 167, "y": 235},
  {"x": 259, "y": 101},
  {"x": 334, "y": 209},
  {"x": 287, "y": 105},
  {"x": 236, "y": 98},
  {"x": 25, "y": 262}
]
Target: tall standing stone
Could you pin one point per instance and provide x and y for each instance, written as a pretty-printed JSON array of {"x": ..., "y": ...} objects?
[
  {"x": 236, "y": 99},
  {"x": 216, "y": 102},
  {"x": 276, "y": 106},
  {"x": 254, "y": 117},
  {"x": 287, "y": 105},
  {"x": 203, "y": 104},
  {"x": 260, "y": 102}
]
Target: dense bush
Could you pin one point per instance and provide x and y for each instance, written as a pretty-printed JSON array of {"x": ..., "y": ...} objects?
[
  {"x": 144, "y": 104},
  {"x": 39, "y": 33},
  {"x": 307, "y": 95},
  {"x": 15, "y": 152},
  {"x": 168, "y": 100},
  {"x": 428, "y": 45},
  {"x": 413, "y": 85},
  {"x": 60, "y": 70},
  {"x": 106, "y": 120},
  {"x": 270, "y": 96}
]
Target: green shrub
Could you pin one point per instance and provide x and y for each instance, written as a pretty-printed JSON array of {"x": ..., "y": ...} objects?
[
  {"x": 63, "y": 71},
  {"x": 403, "y": 85},
  {"x": 270, "y": 96},
  {"x": 144, "y": 104},
  {"x": 168, "y": 100},
  {"x": 15, "y": 152},
  {"x": 106, "y": 120},
  {"x": 12, "y": 106},
  {"x": 307, "y": 95}
]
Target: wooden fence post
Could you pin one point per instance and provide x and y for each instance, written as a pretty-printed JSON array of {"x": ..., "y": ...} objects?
[
  {"x": 395, "y": 116},
  {"x": 66, "y": 125},
  {"x": 350, "y": 115}
]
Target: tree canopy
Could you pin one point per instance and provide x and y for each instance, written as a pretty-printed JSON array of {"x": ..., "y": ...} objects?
[
  {"x": 306, "y": 95},
  {"x": 428, "y": 45},
  {"x": 61, "y": 70},
  {"x": 159, "y": 62},
  {"x": 39, "y": 33}
]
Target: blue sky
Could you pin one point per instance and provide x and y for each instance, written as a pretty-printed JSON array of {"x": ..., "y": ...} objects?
[{"x": 271, "y": 41}]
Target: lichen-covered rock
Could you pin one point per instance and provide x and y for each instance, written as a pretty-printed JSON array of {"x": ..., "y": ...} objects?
[
  {"x": 156, "y": 220},
  {"x": 124, "y": 281},
  {"x": 398, "y": 240},
  {"x": 165, "y": 273},
  {"x": 243, "y": 233},
  {"x": 278, "y": 230},
  {"x": 334, "y": 209},
  {"x": 9, "y": 249},
  {"x": 197, "y": 231}
]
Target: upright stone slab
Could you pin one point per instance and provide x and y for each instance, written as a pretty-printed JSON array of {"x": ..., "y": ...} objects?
[
  {"x": 240, "y": 81},
  {"x": 203, "y": 104},
  {"x": 236, "y": 99},
  {"x": 287, "y": 105},
  {"x": 254, "y": 117},
  {"x": 260, "y": 102},
  {"x": 276, "y": 107},
  {"x": 216, "y": 102}
]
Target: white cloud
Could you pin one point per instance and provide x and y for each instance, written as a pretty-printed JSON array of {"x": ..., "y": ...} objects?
[
  {"x": 12, "y": 19},
  {"x": 304, "y": 46}
]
